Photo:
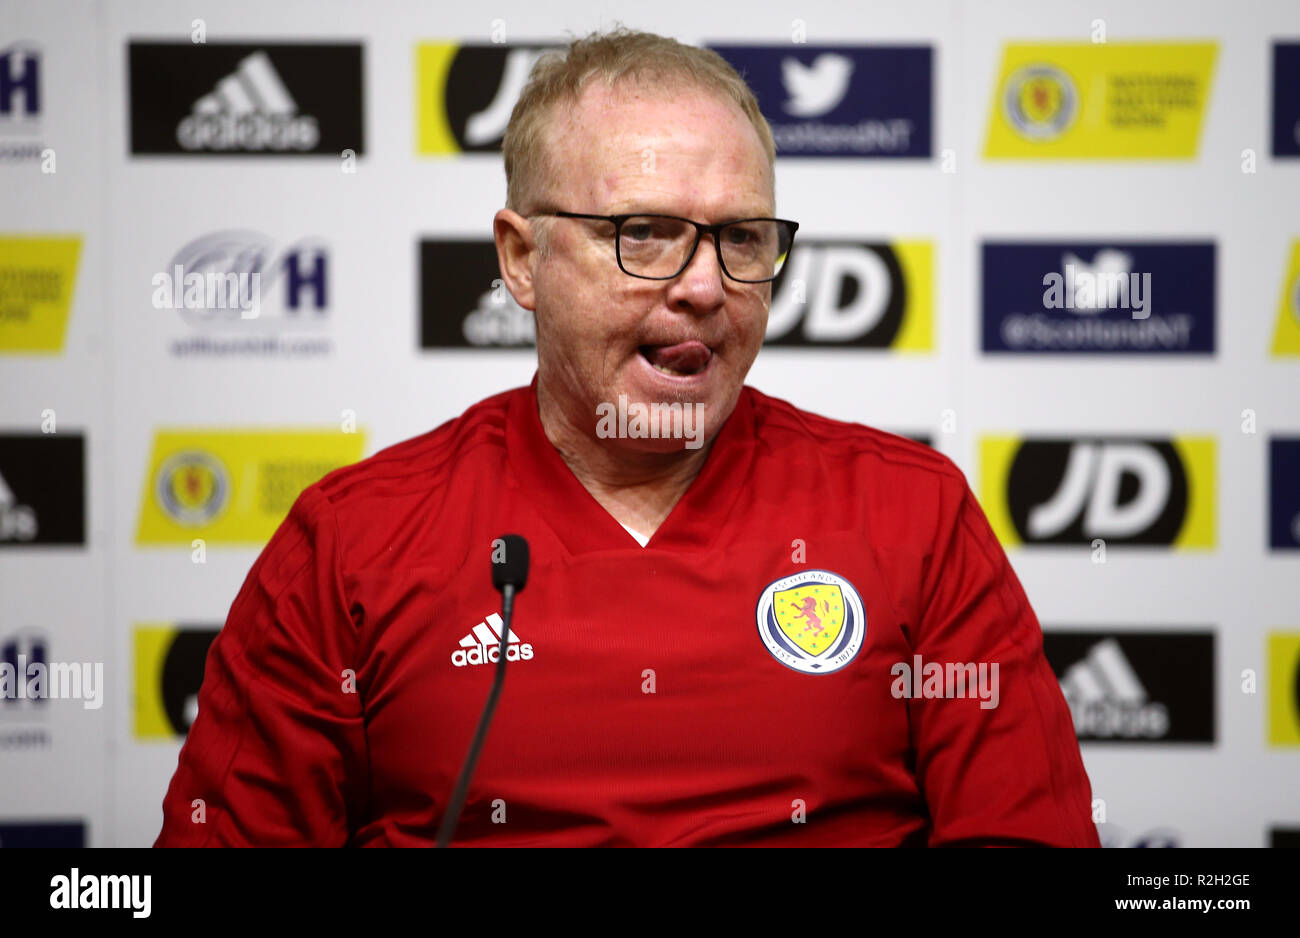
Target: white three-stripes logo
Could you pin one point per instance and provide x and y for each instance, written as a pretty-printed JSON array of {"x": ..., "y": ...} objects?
[
  {"x": 483, "y": 645},
  {"x": 249, "y": 109},
  {"x": 1107, "y": 699},
  {"x": 254, "y": 86}
]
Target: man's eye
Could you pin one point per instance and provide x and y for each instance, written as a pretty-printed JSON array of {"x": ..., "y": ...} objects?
[{"x": 659, "y": 230}]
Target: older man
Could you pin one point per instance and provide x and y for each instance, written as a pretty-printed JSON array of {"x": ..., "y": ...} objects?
[{"x": 744, "y": 624}]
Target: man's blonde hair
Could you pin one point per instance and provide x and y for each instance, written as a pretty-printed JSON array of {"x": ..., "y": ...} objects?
[{"x": 559, "y": 77}]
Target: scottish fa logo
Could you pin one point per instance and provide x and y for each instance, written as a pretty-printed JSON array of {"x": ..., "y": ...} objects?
[
  {"x": 1041, "y": 102},
  {"x": 812, "y": 621},
  {"x": 193, "y": 487}
]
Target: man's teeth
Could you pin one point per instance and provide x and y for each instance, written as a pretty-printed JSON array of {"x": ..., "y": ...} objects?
[{"x": 670, "y": 371}]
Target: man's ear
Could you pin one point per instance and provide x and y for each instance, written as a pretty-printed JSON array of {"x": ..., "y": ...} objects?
[{"x": 517, "y": 255}]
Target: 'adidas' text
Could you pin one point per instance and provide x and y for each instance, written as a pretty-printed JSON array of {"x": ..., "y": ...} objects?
[
  {"x": 250, "y": 109},
  {"x": 483, "y": 645}
]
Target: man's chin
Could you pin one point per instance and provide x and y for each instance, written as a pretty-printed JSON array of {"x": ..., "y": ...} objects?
[{"x": 691, "y": 441}]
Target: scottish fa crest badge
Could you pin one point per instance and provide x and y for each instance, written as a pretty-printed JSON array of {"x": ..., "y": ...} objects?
[{"x": 812, "y": 621}]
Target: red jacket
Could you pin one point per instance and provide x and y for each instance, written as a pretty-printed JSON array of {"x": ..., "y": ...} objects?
[{"x": 737, "y": 681}]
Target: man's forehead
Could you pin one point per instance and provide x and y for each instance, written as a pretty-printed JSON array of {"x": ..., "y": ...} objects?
[{"x": 649, "y": 149}]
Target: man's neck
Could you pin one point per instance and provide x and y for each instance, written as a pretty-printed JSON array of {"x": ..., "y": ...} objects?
[{"x": 638, "y": 488}]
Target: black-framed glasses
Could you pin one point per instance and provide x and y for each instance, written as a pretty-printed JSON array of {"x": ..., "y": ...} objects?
[{"x": 659, "y": 247}]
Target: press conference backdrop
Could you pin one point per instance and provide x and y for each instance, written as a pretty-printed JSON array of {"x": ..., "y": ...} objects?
[{"x": 1057, "y": 241}]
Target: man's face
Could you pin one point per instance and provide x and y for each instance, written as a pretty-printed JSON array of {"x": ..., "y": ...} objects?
[{"x": 602, "y": 333}]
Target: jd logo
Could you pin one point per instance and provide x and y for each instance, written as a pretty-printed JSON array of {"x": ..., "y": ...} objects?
[
  {"x": 838, "y": 293},
  {"x": 182, "y": 675},
  {"x": 480, "y": 125},
  {"x": 465, "y": 94},
  {"x": 1062, "y": 492}
]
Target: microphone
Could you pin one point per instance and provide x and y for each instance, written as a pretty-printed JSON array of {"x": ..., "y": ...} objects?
[{"x": 509, "y": 575}]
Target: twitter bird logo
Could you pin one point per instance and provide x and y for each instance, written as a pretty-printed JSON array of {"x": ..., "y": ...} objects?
[{"x": 817, "y": 88}]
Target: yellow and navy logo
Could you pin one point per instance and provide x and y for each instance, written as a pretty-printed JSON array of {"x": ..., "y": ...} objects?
[
  {"x": 233, "y": 486},
  {"x": 37, "y": 281},
  {"x": 1113, "y": 100},
  {"x": 812, "y": 622},
  {"x": 1284, "y": 689}
]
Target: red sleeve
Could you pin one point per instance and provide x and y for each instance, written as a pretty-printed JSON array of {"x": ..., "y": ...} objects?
[
  {"x": 277, "y": 753},
  {"x": 1005, "y": 774}
]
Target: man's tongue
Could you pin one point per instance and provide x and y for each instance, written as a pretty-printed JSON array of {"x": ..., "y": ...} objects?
[{"x": 685, "y": 358}]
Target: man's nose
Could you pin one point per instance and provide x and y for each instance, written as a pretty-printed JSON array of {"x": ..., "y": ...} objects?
[{"x": 699, "y": 288}]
